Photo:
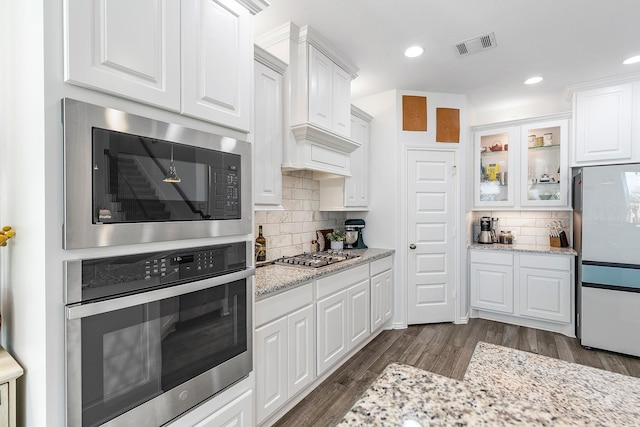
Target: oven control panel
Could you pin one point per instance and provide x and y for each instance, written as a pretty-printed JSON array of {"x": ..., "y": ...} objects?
[{"x": 108, "y": 277}]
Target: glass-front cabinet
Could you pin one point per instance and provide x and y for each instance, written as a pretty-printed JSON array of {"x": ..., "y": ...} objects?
[
  {"x": 522, "y": 163},
  {"x": 495, "y": 182},
  {"x": 544, "y": 164}
]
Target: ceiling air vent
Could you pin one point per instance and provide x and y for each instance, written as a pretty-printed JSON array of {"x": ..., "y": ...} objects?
[{"x": 476, "y": 44}]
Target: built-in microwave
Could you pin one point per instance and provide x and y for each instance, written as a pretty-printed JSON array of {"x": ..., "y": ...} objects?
[{"x": 131, "y": 179}]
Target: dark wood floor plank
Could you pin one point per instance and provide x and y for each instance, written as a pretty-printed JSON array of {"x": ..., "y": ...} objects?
[
  {"x": 441, "y": 348},
  {"x": 547, "y": 344},
  {"x": 528, "y": 340},
  {"x": 510, "y": 336},
  {"x": 564, "y": 351},
  {"x": 612, "y": 362}
]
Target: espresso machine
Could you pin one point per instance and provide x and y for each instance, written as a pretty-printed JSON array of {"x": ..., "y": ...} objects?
[{"x": 353, "y": 229}]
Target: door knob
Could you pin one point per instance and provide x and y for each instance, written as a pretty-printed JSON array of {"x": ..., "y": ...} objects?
[{"x": 412, "y": 246}]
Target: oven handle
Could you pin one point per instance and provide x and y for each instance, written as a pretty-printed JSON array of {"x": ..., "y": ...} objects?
[{"x": 78, "y": 311}]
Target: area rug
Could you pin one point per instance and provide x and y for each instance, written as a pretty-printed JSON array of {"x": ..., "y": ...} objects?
[
  {"x": 604, "y": 397},
  {"x": 501, "y": 387}
]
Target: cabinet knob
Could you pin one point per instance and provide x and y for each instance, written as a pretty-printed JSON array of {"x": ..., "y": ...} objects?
[{"x": 412, "y": 246}]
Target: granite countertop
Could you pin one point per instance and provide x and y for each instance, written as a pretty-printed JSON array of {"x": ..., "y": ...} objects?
[
  {"x": 275, "y": 278},
  {"x": 501, "y": 387},
  {"x": 519, "y": 247}
]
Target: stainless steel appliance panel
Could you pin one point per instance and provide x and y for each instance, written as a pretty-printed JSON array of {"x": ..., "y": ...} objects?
[
  {"x": 151, "y": 344},
  {"x": 79, "y": 120}
]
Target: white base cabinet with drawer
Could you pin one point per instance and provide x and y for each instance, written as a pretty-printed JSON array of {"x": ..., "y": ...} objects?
[
  {"x": 304, "y": 334},
  {"x": 534, "y": 290},
  {"x": 284, "y": 348}
]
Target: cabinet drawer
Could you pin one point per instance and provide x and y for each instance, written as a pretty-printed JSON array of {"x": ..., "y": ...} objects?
[
  {"x": 336, "y": 282},
  {"x": 491, "y": 257},
  {"x": 380, "y": 265},
  {"x": 278, "y": 305},
  {"x": 547, "y": 262}
]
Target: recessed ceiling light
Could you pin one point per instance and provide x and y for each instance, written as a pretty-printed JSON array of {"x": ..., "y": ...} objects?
[
  {"x": 413, "y": 51},
  {"x": 533, "y": 80},
  {"x": 632, "y": 60}
]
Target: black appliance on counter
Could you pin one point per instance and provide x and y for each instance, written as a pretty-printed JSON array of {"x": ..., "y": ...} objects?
[{"x": 353, "y": 228}]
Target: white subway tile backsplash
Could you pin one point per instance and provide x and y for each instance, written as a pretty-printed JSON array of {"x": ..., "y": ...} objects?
[
  {"x": 289, "y": 232},
  {"x": 527, "y": 227}
]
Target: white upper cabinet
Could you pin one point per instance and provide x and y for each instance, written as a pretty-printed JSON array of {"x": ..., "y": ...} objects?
[
  {"x": 522, "y": 164},
  {"x": 318, "y": 84},
  {"x": 191, "y": 56},
  {"x": 267, "y": 130},
  {"x": 350, "y": 193},
  {"x": 604, "y": 120},
  {"x": 129, "y": 49},
  {"x": 329, "y": 94},
  {"x": 217, "y": 53}
]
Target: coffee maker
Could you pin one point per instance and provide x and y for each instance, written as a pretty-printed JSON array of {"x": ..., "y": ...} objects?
[
  {"x": 486, "y": 236},
  {"x": 353, "y": 228}
]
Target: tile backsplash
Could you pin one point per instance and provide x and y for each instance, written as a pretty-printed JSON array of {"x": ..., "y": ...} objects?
[
  {"x": 290, "y": 231},
  {"x": 527, "y": 227}
]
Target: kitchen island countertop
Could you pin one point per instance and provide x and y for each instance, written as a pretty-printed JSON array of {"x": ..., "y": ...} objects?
[
  {"x": 275, "y": 278},
  {"x": 519, "y": 247}
]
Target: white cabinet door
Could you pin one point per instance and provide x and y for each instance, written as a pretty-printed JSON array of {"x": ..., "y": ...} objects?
[
  {"x": 381, "y": 299},
  {"x": 492, "y": 287},
  {"x": 332, "y": 325},
  {"x": 320, "y": 89},
  {"x": 237, "y": 413},
  {"x": 301, "y": 349},
  {"x": 130, "y": 49},
  {"x": 603, "y": 125},
  {"x": 268, "y": 134},
  {"x": 341, "y": 102},
  {"x": 545, "y": 294},
  {"x": 356, "y": 186},
  {"x": 271, "y": 367},
  {"x": 496, "y": 168},
  {"x": 359, "y": 314},
  {"x": 217, "y": 57}
]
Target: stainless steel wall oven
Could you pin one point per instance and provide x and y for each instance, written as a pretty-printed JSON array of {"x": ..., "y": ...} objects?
[
  {"x": 127, "y": 176},
  {"x": 150, "y": 336}
]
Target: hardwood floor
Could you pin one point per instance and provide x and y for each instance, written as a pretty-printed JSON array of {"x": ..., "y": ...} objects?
[{"x": 442, "y": 348}]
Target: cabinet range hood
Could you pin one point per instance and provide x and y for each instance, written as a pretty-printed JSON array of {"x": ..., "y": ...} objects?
[{"x": 317, "y": 102}]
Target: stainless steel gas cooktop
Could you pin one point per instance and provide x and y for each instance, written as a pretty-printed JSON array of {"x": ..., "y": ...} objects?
[{"x": 316, "y": 259}]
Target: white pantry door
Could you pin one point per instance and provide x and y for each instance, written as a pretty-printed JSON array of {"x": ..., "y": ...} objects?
[{"x": 431, "y": 222}]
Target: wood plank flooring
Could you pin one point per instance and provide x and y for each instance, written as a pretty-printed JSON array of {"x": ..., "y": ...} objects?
[{"x": 442, "y": 348}]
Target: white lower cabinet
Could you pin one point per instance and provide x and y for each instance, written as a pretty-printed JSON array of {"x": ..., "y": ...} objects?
[
  {"x": 381, "y": 292},
  {"x": 303, "y": 333},
  {"x": 533, "y": 290},
  {"x": 237, "y": 413},
  {"x": 492, "y": 281},
  {"x": 545, "y": 288},
  {"x": 284, "y": 348},
  {"x": 343, "y": 314}
]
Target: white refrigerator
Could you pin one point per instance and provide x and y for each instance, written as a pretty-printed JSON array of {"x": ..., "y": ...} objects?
[{"x": 606, "y": 203}]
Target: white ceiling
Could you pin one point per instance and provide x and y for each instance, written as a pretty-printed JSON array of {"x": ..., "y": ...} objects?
[{"x": 565, "y": 41}]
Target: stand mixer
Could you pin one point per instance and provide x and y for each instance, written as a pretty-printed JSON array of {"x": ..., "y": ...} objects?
[{"x": 353, "y": 229}]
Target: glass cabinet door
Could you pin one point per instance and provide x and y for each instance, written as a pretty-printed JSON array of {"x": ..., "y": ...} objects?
[
  {"x": 544, "y": 158},
  {"x": 494, "y": 184}
]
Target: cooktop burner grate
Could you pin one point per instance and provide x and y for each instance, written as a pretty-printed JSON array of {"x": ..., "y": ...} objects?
[{"x": 316, "y": 259}]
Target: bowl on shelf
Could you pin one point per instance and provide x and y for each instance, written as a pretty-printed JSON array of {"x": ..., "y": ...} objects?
[{"x": 546, "y": 196}]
